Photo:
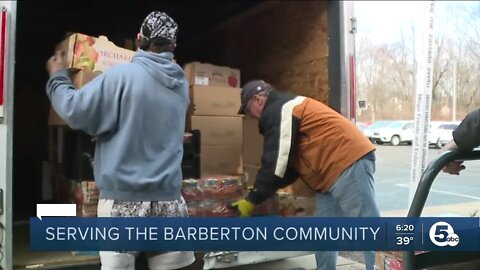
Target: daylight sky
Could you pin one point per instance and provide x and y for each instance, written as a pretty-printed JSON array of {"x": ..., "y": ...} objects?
[{"x": 384, "y": 21}]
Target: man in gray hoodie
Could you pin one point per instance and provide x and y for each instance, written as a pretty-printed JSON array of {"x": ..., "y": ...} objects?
[{"x": 137, "y": 113}]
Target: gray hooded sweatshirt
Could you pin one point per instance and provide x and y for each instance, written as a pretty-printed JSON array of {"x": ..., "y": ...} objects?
[{"x": 137, "y": 113}]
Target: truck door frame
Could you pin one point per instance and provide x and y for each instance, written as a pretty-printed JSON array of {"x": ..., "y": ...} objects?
[
  {"x": 9, "y": 9},
  {"x": 341, "y": 58}
]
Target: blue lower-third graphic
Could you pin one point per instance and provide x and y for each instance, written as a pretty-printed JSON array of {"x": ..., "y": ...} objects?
[{"x": 254, "y": 234}]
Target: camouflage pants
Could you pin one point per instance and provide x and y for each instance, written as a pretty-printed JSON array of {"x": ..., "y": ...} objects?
[{"x": 113, "y": 260}]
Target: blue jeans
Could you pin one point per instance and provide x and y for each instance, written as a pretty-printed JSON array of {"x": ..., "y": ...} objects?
[{"x": 353, "y": 195}]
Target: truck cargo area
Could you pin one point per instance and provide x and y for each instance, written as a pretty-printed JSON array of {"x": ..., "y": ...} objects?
[{"x": 295, "y": 46}]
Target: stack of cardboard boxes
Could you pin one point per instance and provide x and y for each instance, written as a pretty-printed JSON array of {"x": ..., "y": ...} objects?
[
  {"x": 231, "y": 144},
  {"x": 214, "y": 100},
  {"x": 86, "y": 58}
]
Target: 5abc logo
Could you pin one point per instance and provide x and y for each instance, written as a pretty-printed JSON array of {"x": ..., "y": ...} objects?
[{"x": 442, "y": 234}]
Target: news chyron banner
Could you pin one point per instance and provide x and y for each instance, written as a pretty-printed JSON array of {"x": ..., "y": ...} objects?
[{"x": 254, "y": 234}]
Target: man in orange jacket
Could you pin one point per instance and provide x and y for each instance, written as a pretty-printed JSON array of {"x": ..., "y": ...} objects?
[{"x": 303, "y": 138}]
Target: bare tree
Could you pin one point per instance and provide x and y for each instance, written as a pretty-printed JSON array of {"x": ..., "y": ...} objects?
[{"x": 386, "y": 74}]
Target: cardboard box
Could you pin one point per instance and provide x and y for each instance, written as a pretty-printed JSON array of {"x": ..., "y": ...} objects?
[
  {"x": 84, "y": 192},
  {"x": 214, "y": 101},
  {"x": 79, "y": 78},
  {"x": 207, "y": 74},
  {"x": 252, "y": 142},
  {"x": 92, "y": 53},
  {"x": 219, "y": 130},
  {"x": 87, "y": 57},
  {"x": 226, "y": 159}
]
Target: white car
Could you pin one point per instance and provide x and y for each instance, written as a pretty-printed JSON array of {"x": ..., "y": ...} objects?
[
  {"x": 394, "y": 133},
  {"x": 368, "y": 132},
  {"x": 442, "y": 134},
  {"x": 434, "y": 133}
]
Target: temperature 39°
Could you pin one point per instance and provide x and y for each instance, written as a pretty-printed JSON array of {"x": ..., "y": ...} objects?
[{"x": 404, "y": 240}]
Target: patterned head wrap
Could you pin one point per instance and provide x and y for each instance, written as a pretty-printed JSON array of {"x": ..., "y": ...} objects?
[{"x": 159, "y": 24}]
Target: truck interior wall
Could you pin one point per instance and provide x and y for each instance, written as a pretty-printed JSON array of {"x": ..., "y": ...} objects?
[{"x": 282, "y": 42}]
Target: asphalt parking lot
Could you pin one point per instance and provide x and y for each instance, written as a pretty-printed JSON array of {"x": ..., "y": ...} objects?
[{"x": 454, "y": 194}]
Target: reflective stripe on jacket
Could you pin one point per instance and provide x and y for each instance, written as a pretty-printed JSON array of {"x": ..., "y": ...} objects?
[{"x": 303, "y": 137}]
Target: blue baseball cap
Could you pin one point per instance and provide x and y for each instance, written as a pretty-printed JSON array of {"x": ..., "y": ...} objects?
[{"x": 249, "y": 90}]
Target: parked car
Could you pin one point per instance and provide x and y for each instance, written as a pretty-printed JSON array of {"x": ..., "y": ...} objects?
[
  {"x": 394, "y": 133},
  {"x": 433, "y": 132},
  {"x": 368, "y": 132},
  {"x": 442, "y": 134}
]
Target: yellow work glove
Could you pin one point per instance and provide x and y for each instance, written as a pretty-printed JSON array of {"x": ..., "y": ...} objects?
[{"x": 244, "y": 207}]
